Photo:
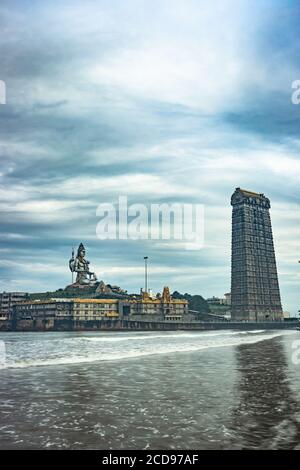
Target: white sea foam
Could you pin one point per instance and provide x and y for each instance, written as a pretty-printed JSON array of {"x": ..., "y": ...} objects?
[
  {"x": 142, "y": 351},
  {"x": 256, "y": 331},
  {"x": 166, "y": 335}
]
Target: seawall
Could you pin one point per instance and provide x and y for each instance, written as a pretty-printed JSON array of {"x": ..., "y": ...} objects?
[{"x": 146, "y": 325}]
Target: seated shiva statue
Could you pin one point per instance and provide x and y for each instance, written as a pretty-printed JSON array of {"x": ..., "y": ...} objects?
[{"x": 80, "y": 266}]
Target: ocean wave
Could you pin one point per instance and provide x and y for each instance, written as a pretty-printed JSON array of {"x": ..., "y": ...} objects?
[
  {"x": 166, "y": 335},
  {"x": 134, "y": 353}
]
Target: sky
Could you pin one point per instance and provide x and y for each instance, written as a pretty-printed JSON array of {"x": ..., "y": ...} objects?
[{"x": 162, "y": 101}]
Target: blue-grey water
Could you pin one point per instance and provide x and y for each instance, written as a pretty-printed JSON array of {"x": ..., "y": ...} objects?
[{"x": 150, "y": 390}]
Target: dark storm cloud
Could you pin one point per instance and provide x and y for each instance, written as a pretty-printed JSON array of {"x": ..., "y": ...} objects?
[
  {"x": 159, "y": 101},
  {"x": 271, "y": 115}
]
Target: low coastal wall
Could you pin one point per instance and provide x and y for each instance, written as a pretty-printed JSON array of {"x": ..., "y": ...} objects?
[
  {"x": 146, "y": 325},
  {"x": 5, "y": 325}
]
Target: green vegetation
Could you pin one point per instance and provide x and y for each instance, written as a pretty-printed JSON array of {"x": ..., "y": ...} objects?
[
  {"x": 63, "y": 294},
  {"x": 219, "y": 309},
  {"x": 196, "y": 302}
]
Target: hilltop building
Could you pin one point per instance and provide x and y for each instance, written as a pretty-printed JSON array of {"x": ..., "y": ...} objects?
[{"x": 80, "y": 313}]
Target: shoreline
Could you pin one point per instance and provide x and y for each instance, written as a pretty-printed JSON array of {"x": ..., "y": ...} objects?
[{"x": 140, "y": 325}]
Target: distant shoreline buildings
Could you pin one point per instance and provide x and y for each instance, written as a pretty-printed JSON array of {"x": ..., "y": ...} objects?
[
  {"x": 91, "y": 304},
  {"x": 81, "y": 313},
  {"x": 7, "y": 302}
]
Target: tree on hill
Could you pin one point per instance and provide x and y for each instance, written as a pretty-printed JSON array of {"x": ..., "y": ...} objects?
[{"x": 196, "y": 302}]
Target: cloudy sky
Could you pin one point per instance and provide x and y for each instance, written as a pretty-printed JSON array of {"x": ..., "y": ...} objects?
[{"x": 159, "y": 101}]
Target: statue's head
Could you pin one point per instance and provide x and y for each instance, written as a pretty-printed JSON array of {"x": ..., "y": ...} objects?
[{"x": 81, "y": 251}]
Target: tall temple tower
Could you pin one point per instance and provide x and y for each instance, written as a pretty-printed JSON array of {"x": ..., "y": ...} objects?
[{"x": 255, "y": 292}]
